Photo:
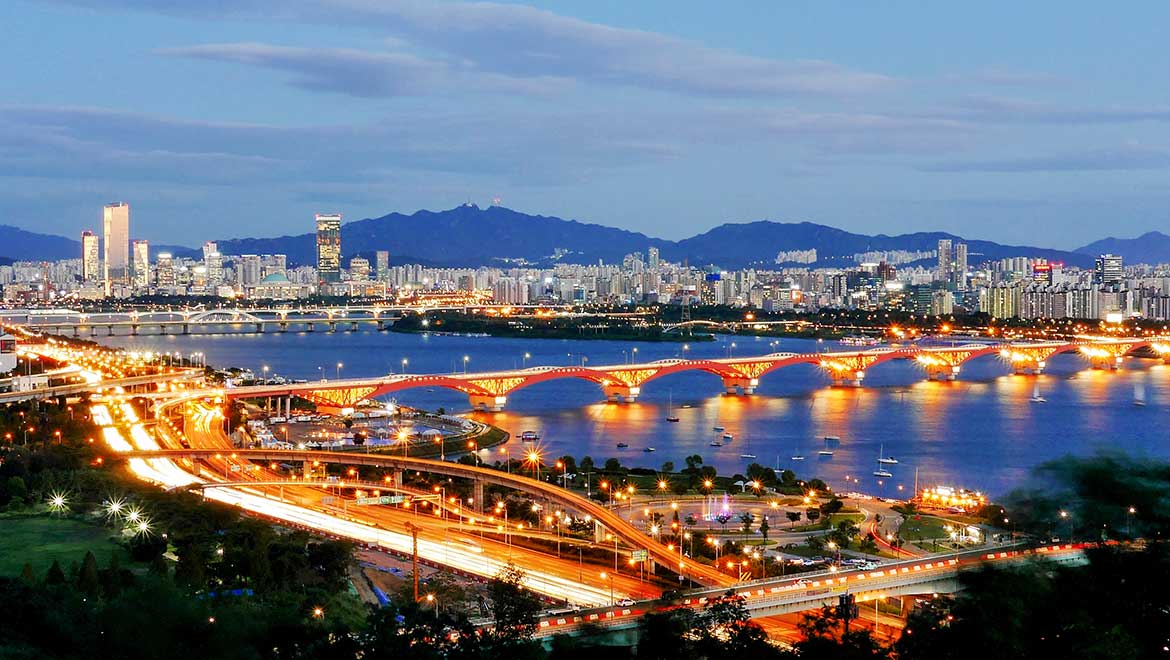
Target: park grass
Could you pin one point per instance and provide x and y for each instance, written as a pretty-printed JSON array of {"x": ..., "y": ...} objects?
[
  {"x": 923, "y": 529},
  {"x": 41, "y": 539}
]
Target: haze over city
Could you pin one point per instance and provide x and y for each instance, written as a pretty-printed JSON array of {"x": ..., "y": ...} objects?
[{"x": 997, "y": 121}]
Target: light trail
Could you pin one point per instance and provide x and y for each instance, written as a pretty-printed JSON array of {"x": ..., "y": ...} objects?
[{"x": 167, "y": 474}]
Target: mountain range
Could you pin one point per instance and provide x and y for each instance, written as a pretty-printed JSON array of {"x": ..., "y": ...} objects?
[{"x": 468, "y": 235}]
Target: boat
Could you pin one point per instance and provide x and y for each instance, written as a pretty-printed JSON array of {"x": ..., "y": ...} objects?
[
  {"x": 622, "y": 445},
  {"x": 727, "y": 437},
  {"x": 747, "y": 455},
  {"x": 716, "y": 443},
  {"x": 826, "y": 451},
  {"x": 718, "y": 429},
  {"x": 886, "y": 460},
  {"x": 1036, "y": 398},
  {"x": 670, "y": 416},
  {"x": 859, "y": 340},
  {"x": 529, "y": 436},
  {"x": 884, "y": 474},
  {"x": 648, "y": 449},
  {"x": 836, "y": 439},
  {"x": 881, "y": 471},
  {"x": 1139, "y": 394},
  {"x": 796, "y": 455}
]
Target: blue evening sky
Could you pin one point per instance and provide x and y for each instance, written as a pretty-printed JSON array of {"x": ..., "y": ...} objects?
[{"x": 1040, "y": 122}]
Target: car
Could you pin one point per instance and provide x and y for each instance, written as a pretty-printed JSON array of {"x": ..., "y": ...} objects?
[{"x": 625, "y": 602}]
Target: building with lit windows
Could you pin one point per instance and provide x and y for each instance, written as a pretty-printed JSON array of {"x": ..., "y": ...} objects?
[{"x": 328, "y": 248}]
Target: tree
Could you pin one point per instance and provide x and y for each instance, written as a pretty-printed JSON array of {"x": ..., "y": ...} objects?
[
  {"x": 569, "y": 463},
  {"x": 745, "y": 521},
  {"x": 668, "y": 467},
  {"x": 693, "y": 462},
  {"x": 88, "y": 581},
  {"x": 764, "y": 527},
  {"x": 812, "y": 515},
  {"x": 27, "y": 576},
  {"x": 55, "y": 575},
  {"x": 613, "y": 465},
  {"x": 586, "y": 464},
  {"x": 17, "y": 490},
  {"x": 514, "y": 607},
  {"x": 868, "y": 546},
  {"x": 793, "y": 517}
]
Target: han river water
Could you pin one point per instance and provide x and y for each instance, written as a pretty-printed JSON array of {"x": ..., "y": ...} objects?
[{"x": 980, "y": 432}]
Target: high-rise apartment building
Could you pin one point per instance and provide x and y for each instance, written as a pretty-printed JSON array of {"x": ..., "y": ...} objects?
[
  {"x": 140, "y": 266},
  {"x": 1107, "y": 269},
  {"x": 652, "y": 258},
  {"x": 91, "y": 257},
  {"x": 328, "y": 248},
  {"x": 382, "y": 265},
  {"x": 116, "y": 244},
  {"x": 945, "y": 265},
  {"x": 960, "y": 266},
  {"x": 249, "y": 270}
]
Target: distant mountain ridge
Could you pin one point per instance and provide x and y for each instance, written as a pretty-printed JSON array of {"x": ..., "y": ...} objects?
[
  {"x": 468, "y": 235},
  {"x": 1152, "y": 247}
]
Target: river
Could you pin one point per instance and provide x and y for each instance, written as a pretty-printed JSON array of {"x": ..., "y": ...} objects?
[{"x": 980, "y": 432}]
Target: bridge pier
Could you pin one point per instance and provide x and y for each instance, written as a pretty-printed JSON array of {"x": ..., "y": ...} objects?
[
  {"x": 381, "y": 325},
  {"x": 487, "y": 402},
  {"x": 134, "y": 330},
  {"x": 332, "y": 326},
  {"x": 942, "y": 372},
  {"x": 1026, "y": 368},
  {"x": 353, "y": 326},
  {"x": 283, "y": 326},
  {"x": 309, "y": 327},
  {"x": 844, "y": 379},
  {"x": 621, "y": 393},
  {"x": 186, "y": 328},
  {"x": 740, "y": 386},
  {"x": 259, "y": 327}
]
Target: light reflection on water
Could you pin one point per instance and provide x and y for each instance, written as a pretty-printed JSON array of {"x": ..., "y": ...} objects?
[{"x": 981, "y": 431}]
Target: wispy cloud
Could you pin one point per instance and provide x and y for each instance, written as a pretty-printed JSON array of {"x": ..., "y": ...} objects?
[
  {"x": 525, "y": 42},
  {"x": 992, "y": 109},
  {"x": 1128, "y": 157}
]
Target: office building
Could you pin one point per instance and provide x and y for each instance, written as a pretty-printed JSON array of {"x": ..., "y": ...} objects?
[
  {"x": 328, "y": 248},
  {"x": 116, "y": 244},
  {"x": 960, "y": 267},
  {"x": 140, "y": 266},
  {"x": 165, "y": 273},
  {"x": 359, "y": 269},
  {"x": 1107, "y": 270},
  {"x": 91, "y": 257}
]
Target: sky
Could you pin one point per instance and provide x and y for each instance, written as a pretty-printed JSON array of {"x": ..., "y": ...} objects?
[{"x": 1042, "y": 123}]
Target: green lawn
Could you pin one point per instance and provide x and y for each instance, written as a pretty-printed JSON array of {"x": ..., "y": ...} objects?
[
  {"x": 926, "y": 528},
  {"x": 42, "y": 539}
]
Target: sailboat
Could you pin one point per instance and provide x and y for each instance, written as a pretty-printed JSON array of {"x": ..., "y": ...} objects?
[
  {"x": 1036, "y": 398},
  {"x": 796, "y": 455},
  {"x": 881, "y": 471},
  {"x": 886, "y": 460},
  {"x": 826, "y": 451},
  {"x": 1139, "y": 394},
  {"x": 670, "y": 416},
  {"x": 747, "y": 451}
]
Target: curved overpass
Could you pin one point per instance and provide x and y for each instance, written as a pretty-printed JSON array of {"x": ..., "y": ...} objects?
[{"x": 616, "y": 524}]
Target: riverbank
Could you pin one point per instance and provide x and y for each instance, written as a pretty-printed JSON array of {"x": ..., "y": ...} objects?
[{"x": 534, "y": 327}]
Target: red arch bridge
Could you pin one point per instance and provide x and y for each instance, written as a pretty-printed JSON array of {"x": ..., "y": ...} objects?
[{"x": 740, "y": 375}]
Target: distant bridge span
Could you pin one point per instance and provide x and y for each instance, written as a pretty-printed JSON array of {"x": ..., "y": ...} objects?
[{"x": 740, "y": 375}]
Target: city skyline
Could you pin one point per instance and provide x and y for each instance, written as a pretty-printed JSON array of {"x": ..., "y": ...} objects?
[{"x": 662, "y": 122}]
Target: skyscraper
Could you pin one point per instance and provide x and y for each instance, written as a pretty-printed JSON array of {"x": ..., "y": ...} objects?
[
  {"x": 359, "y": 269},
  {"x": 652, "y": 258},
  {"x": 945, "y": 265},
  {"x": 140, "y": 272},
  {"x": 1107, "y": 269},
  {"x": 91, "y": 257},
  {"x": 116, "y": 244},
  {"x": 328, "y": 248},
  {"x": 165, "y": 272},
  {"x": 382, "y": 265}
]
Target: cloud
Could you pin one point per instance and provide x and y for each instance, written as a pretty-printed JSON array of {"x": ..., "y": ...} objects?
[
  {"x": 1128, "y": 157},
  {"x": 364, "y": 73},
  {"x": 991, "y": 109},
  {"x": 525, "y": 42}
]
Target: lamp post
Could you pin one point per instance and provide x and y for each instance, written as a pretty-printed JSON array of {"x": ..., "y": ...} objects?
[
  {"x": 466, "y": 359},
  {"x": 404, "y": 363},
  {"x": 524, "y": 360},
  {"x": 339, "y": 366},
  {"x": 605, "y": 575},
  {"x": 1128, "y": 515}
]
